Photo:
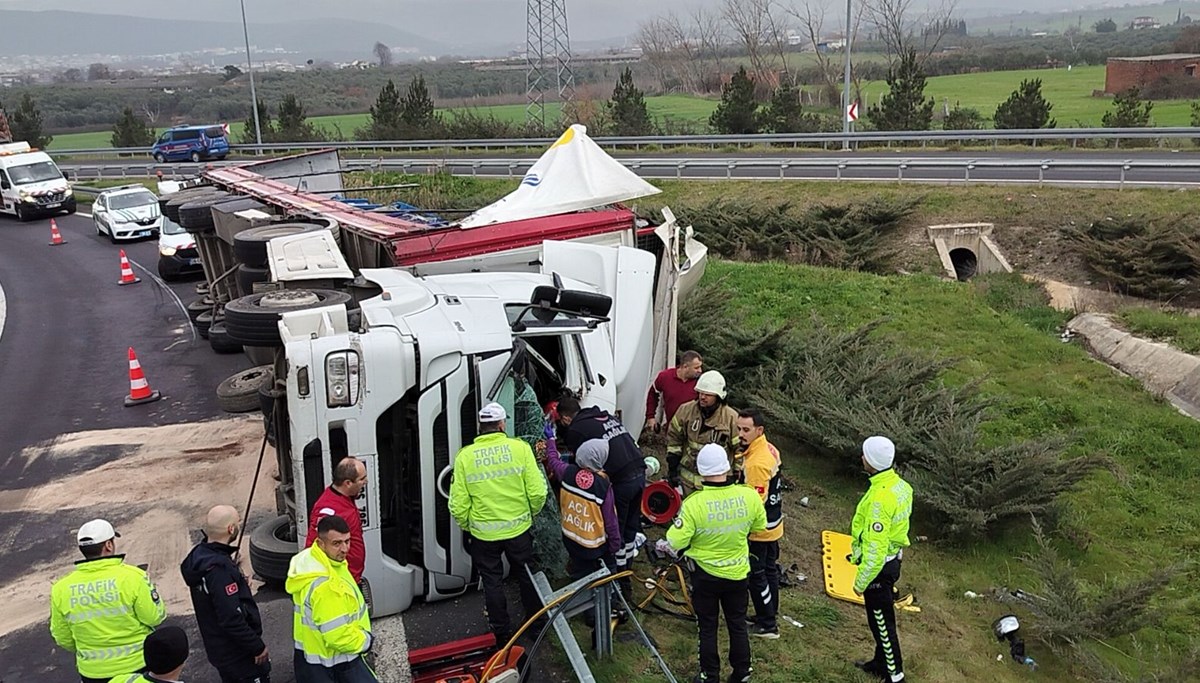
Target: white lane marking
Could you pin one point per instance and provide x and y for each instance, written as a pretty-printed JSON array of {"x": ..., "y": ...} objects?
[
  {"x": 178, "y": 302},
  {"x": 3, "y": 310},
  {"x": 83, "y": 213}
]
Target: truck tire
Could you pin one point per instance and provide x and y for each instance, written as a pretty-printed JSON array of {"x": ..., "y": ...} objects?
[
  {"x": 203, "y": 323},
  {"x": 254, "y": 319},
  {"x": 272, "y": 546},
  {"x": 247, "y": 276},
  {"x": 218, "y": 339},
  {"x": 196, "y": 216},
  {"x": 250, "y": 246},
  {"x": 239, "y": 392},
  {"x": 178, "y": 199},
  {"x": 201, "y": 305}
]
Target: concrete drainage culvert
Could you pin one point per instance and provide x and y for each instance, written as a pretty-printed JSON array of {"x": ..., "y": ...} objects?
[{"x": 967, "y": 250}]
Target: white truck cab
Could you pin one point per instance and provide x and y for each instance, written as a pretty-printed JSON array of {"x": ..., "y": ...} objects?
[
  {"x": 31, "y": 183},
  {"x": 402, "y": 394}
]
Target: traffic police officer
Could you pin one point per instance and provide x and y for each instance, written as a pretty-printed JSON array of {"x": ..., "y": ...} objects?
[
  {"x": 711, "y": 530},
  {"x": 706, "y": 420},
  {"x": 879, "y": 535},
  {"x": 104, "y": 610},
  {"x": 496, "y": 491}
]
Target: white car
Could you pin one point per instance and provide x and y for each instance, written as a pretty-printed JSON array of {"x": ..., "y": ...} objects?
[{"x": 127, "y": 213}]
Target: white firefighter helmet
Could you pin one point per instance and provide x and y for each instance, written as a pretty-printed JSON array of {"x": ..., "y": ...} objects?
[{"x": 711, "y": 382}]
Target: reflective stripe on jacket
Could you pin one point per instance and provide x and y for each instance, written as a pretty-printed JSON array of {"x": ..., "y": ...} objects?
[
  {"x": 330, "y": 625},
  {"x": 497, "y": 487},
  {"x": 880, "y": 527},
  {"x": 763, "y": 465},
  {"x": 689, "y": 432},
  {"x": 713, "y": 527},
  {"x": 580, "y": 500},
  {"x": 102, "y": 612}
]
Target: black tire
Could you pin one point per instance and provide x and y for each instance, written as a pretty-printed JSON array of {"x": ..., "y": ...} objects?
[
  {"x": 254, "y": 319},
  {"x": 247, "y": 276},
  {"x": 201, "y": 305},
  {"x": 203, "y": 323},
  {"x": 160, "y": 158},
  {"x": 178, "y": 199},
  {"x": 196, "y": 157},
  {"x": 239, "y": 392},
  {"x": 218, "y": 339},
  {"x": 272, "y": 546},
  {"x": 21, "y": 215},
  {"x": 196, "y": 216},
  {"x": 250, "y": 246}
]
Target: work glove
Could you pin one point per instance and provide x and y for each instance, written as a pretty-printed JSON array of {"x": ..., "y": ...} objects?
[
  {"x": 548, "y": 431},
  {"x": 663, "y": 547}
]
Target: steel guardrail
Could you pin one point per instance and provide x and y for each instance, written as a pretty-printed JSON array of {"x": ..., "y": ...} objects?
[{"x": 861, "y": 139}]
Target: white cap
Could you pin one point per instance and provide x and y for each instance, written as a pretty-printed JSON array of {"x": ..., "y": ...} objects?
[
  {"x": 712, "y": 461},
  {"x": 492, "y": 412},
  {"x": 880, "y": 452},
  {"x": 96, "y": 532}
]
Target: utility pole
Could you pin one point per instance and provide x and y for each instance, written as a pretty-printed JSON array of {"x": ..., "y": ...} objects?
[
  {"x": 250, "y": 69},
  {"x": 846, "y": 83}
]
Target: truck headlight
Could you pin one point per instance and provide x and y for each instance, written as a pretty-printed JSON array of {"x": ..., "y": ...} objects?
[{"x": 341, "y": 379}]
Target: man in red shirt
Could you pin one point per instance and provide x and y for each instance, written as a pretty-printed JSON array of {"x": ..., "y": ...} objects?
[
  {"x": 676, "y": 385},
  {"x": 349, "y": 479}
]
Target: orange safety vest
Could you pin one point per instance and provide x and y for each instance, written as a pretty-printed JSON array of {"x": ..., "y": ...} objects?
[{"x": 580, "y": 500}]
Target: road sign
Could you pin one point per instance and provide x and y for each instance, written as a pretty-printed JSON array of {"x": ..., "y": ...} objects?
[{"x": 852, "y": 112}]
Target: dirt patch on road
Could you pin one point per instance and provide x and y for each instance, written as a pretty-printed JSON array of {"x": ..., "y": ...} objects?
[{"x": 155, "y": 493}]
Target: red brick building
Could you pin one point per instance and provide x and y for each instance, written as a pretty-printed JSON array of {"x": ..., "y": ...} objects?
[{"x": 1123, "y": 73}]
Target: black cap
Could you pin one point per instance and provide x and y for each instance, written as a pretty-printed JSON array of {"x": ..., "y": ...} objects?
[{"x": 166, "y": 649}]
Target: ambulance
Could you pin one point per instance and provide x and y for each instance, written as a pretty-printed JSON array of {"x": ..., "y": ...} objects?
[{"x": 31, "y": 184}]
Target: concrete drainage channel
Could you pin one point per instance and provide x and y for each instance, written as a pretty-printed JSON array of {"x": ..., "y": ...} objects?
[{"x": 967, "y": 250}]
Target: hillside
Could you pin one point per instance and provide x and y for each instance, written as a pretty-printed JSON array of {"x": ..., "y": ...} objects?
[{"x": 43, "y": 33}]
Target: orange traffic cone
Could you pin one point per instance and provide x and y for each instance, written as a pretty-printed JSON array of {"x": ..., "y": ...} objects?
[
  {"x": 139, "y": 389},
  {"x": 56, "y": 237},
  {"x": 127, "y": 276}
]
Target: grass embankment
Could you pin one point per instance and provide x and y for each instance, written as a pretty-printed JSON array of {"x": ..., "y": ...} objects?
[
  {"x": 1128, "y": 523},
  {"x": 1179, "y": 329}
]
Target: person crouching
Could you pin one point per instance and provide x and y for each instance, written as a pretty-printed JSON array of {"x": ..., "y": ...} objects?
[{"x": 589, "y": 515}]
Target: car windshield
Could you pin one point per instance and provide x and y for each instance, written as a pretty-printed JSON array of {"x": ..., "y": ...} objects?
[
  {"x": 170, "y": 227},
  {"x": 131, "y": 200},
  {"x": 34, "y": 173}
]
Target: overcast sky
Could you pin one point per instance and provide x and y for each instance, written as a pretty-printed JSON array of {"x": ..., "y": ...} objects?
[{"x": 463, "y": 22}]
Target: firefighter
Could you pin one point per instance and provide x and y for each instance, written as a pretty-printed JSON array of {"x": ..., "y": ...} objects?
[
  {"x": 330, "y": 625},
  {"x": 349, "y": 480},
  {"x": 708, "y": 419},
  {"x": 104, "y": 609},
  {"x": 496, "y": 491},
  {"x": 879, "y": 535},
  {"x": 589, "y": 517},
  {"x": 711, "y": 530},
  {"x": 762, "y": 463},
  {"x": 165, "y": 652}
]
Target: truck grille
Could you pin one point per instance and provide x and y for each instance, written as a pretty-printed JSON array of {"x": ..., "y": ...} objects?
[
  {"x": 190, "y": 252},
  {"x": 51, "y": 198}
]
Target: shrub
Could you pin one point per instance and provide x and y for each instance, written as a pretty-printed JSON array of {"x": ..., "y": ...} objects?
[{"x": 1137, "y": 256}]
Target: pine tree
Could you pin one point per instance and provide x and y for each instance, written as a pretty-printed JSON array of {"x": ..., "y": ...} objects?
[
  {"x": 628, "y": 108},
  {"x": 1025, "y": 108},
  {"x": 385, "y": 122},
  {"x": 905, "y": 106},
  {"x": 417, "y": 114},
  {"x": 131, "y": 131},
  {"x": 26, "y": 124},
  {"x": 737, "y": 112},
  {"x": 1129, "y": 111},
  {"x": 264, "y": 122},
  {"x": 292, "y": 125},
  {"x": 784, "y": 113},
  {"x": 5, "y": 131}
]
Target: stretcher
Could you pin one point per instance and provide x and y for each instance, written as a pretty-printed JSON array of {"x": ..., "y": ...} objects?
[{"x": 839, "y": 573}]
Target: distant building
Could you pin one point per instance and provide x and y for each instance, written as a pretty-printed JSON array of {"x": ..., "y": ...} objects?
[
  {"x": 1144, "y": 22},
  {"x": 9, "y": 80},
  {"x": 1123, "y": 73}
]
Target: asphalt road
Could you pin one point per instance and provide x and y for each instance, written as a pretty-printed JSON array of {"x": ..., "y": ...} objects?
[
  {"x": 65, "y": 328},
  {"x": 1052, "y": 167}
]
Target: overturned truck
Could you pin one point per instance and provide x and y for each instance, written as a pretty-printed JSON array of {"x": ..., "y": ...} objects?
[{"x": 385, "y": 335}]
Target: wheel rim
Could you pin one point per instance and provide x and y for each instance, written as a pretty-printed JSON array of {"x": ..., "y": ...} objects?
[{"x": 289, "y": 299}]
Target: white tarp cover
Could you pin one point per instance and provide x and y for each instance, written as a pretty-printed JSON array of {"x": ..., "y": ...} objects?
[{"x": 573, "y": 175}]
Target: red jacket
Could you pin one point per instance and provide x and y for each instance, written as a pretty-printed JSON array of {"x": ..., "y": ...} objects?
[
  {"x": 675, "y": 392},
  {"x": 333, "y": 503}
]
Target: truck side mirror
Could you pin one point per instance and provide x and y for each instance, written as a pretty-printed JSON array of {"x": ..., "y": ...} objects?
[
  {"x": 67, "y": 175},
  {"x": 4, "y": 184}
]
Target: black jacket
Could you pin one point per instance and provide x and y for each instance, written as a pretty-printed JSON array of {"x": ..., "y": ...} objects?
[
  {"x": 225, "y": 610},
  {"x": 625, "y": 460}
]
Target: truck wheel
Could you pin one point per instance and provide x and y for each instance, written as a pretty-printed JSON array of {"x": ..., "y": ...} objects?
[
  {"x": 178, "y": 199},
  {"x": 239, "y": 393},
  {"x": 21, "y": 214},
  {"x": 201, "y": 305},
  {"x": 196, "y": 215},
  {"x": 272, "y": 546},
  {"x": 254, "y": 319},
  {"x": 218, "y": 339},
  {"x": 203, "y": 323},
  {"x": 250, "y": 246},
  {"x": 247, "y": 276}
]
